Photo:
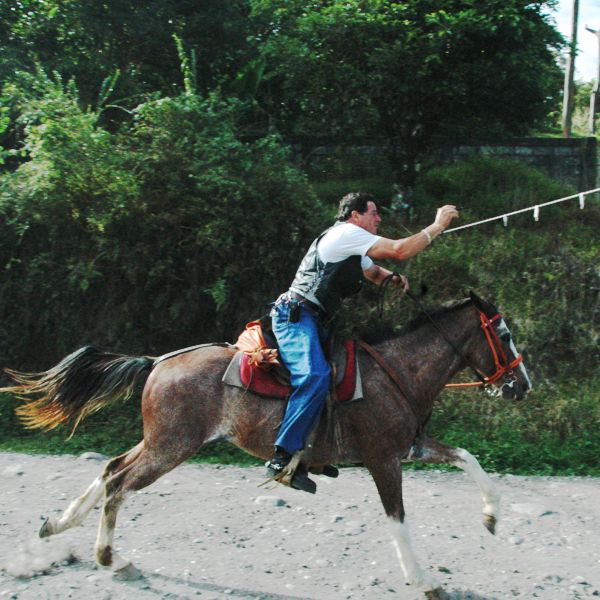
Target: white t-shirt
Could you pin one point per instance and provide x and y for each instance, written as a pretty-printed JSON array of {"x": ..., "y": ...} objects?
[{"x": 344, "y": 240}]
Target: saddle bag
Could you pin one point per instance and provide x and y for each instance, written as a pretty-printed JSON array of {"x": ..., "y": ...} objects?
[{"x": 253, "y": 342}]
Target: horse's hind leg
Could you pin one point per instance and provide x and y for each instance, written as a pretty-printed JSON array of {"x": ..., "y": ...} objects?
[
  {"x": 387, "y": 474},
  {"x": 428, "y": 450},
  {"x": 146, "y": 469},
  {"x": 76, "y": 512}
]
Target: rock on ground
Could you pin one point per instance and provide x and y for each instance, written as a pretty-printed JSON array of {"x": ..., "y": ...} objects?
[{"x": 209, "y": 532}]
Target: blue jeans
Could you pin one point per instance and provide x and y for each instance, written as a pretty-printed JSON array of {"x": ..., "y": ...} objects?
[{"x": 300, "y": 349}]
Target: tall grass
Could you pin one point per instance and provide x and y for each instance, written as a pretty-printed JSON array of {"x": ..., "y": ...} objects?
[{"x": 554, "y": 431}]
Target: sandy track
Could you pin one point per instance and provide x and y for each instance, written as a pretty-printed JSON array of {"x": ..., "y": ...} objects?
[{"x": 210, "y": 532}]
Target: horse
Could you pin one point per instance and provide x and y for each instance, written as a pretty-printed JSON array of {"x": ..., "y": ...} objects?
[{"x": 185, "y": 405}]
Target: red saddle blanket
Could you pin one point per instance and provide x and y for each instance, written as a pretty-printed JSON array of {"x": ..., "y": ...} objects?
[{"x": 263, "y": 382}]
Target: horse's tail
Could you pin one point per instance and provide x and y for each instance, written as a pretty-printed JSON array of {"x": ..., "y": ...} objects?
[{"x": 81, "y": 384}]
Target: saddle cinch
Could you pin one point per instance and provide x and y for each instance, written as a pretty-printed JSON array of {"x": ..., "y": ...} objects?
[{"x": 256, "y": 367}]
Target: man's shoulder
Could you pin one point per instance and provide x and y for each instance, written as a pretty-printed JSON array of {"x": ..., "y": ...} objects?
[
  {"x": 344, "y": 240},
  {"x": 343, "y": 230}
]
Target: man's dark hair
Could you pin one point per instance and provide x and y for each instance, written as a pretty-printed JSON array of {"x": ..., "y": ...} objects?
[{"x": 354, "y": 201}]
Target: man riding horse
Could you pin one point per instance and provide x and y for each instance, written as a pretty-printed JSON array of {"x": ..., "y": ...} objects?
[{"x": 333, "y": 268}]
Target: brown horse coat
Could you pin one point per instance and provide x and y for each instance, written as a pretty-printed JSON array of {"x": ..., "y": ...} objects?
[{"x": 185, "y": 405}]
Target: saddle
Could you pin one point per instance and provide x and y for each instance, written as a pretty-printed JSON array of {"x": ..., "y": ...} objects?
[{"x": 273, "y": 382}]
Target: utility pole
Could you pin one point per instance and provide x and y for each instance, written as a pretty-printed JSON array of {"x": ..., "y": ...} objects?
[
  {"x": 569, "y": 73},
  {"x": 594, "y": 97}
]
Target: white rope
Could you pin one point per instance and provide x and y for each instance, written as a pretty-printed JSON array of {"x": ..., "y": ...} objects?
[{"x": 535, "y": 209}]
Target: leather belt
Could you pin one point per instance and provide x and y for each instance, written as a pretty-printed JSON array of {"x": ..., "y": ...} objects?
[{"x": 310, "y": 305}]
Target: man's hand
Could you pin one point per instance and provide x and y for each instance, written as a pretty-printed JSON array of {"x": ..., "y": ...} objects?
[
  {"x": 445, "y": 214},
  {"x": 402, "y": 281}
]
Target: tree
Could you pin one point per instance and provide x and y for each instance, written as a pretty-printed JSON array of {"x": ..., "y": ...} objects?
[
  {"x": 174, "y": 230},
  {"x": 89, "y": 40},
  {"x": 407, "y": 72}
]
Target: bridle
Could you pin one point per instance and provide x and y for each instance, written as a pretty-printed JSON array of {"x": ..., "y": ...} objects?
[{"x": 504, "y": 366}]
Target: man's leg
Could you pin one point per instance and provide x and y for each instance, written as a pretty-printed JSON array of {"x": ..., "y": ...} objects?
[{"x": 301, "y": 351}]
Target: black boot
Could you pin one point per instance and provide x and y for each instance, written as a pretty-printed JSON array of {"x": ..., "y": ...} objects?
[
  {"x": 327, "y": 470},
  {"x": 277, "y": 464}
]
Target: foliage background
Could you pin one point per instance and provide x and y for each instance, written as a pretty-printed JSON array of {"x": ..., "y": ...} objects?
[
  {"x": 141, "y": 239},
  {"x": 149, "y": 199}
]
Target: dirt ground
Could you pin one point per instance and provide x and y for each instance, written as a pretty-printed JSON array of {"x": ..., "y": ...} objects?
[{"x": 210, "y": 532}]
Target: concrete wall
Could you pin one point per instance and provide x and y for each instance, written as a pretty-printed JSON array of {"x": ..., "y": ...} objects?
[{"x": 575, "y": 161}]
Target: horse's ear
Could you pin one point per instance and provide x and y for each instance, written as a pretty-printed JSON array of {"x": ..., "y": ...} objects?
[
  {"x": 483, "y": 305},
  {"x": 477, "y": 301}
]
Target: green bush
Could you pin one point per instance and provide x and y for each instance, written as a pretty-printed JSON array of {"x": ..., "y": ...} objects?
[
  {"x": 175, "y": 230},
  {"x": 544, "y": 275},
  {"x": 484, "y": 187},
  {"x": 554, "y": 431}
]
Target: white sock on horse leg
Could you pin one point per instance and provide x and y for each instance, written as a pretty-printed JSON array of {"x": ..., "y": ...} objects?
[
  {"x": 408, "y": 561},
  {"x": 79, "y": 508},
  {"x": 491, "y": 497},
  {"x": 105, "y": 554}
]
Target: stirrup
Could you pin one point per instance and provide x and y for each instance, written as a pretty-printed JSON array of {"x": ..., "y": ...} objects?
[{"x": 292, "y": 474}]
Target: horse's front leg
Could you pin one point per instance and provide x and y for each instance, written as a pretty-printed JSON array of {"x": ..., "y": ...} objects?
[
  {"x": 387, "y": 474},
  {"x": 427, "y": 450}
]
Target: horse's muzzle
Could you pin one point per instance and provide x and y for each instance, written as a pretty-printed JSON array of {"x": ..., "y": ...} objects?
[{"x": 512, "y": 389}]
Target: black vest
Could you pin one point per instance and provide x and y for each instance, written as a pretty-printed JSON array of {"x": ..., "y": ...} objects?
[{"x": 329, "y": 283}]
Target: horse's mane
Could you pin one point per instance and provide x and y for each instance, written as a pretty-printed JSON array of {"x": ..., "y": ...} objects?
[
  {"x": 424, "y": 319},
  {"x": 383, "y": 332}
]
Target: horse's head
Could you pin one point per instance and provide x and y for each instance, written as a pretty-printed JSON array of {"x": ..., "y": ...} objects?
[{"x": 495, "y": 355}]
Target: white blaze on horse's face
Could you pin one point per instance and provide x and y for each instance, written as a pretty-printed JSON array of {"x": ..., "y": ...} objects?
[{"x": 504, "y": 334}]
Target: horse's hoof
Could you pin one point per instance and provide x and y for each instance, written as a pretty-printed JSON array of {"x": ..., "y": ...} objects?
[
  {"x": 127, "y": 573},
  {"x": 46, "y": 529},
  {"x": 490, "y": 523},
  {"x": 437, "y": 594}
]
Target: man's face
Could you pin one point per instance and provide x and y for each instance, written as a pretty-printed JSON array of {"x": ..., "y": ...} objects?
[{"x": 368, "y": 220}]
